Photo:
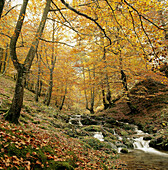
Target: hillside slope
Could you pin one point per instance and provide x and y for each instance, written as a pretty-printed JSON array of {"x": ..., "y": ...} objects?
[{"x": 39, "y": 141}]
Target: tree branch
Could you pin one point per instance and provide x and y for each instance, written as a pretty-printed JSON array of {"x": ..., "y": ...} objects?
[
  {"x": 88, "y": 17},
  {"x": 16, "y": 34},
  {"x": 5, "y": 35},
  {"x": 30, "y": 56},
  {"x": 133, "y": 23},
  {"x": 10, "y": 10},
  {"x": 140, "y": 17},
  {"x": 126, "y": 36},
  {"x": 143, "y": 16},
  {"x": 55, "y": 42},
  {"x": 61, "y": 14},
  {"x": 80, "y": 5}
]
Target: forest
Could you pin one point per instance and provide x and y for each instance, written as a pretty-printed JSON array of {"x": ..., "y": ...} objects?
[{"x": 73, "y": 68}]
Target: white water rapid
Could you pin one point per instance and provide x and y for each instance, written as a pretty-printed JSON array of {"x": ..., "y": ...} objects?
[
  {"x": 99, "y": 135},
  {"x": 141, "y": 144},
  {"x": 76, "y": 118}
]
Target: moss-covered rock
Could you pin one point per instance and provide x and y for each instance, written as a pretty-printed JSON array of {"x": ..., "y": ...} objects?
[
  {"x": 147, "y": 138},
  {"x": 128, "y": 126},
  {"x": 129, "y": 144},
  {"x": 159, "y": 143},
  {"x": 124, "y": 150},
  {"x": 111, "y": 121},
  {"x": 98, "y": 145},
  {"x": 93, "y": 142},
  {"x": 124, "y": 133},
  {"x": 89, "y": 121},
  {"x": 92, "y": 128},
  {"x": 71, "y": 132}
]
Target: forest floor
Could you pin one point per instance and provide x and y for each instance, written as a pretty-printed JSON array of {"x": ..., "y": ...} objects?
[
  {"x": 39, "y": 141},
  {"x": 45, "y": 140}
]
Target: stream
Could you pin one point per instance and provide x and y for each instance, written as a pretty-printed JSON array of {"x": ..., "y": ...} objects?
[{"x": 142, "y": 156}]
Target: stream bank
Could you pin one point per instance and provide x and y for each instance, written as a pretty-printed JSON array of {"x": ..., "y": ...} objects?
[{"x": 112, "y": 136}]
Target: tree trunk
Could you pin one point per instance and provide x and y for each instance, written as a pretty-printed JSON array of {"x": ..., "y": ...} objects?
[
  {"x": 37, "y": 88},
  {"x": 124, "y": 82},
  {"x": 104, "y": 100},
  {"x": 92, "y": 93},
  {"x": 53, "y": 61},
  {"x": 63, "y": 100},
  {"x": 50, "y": 88},
  {"x": 2, "y": 2},
  {"x": 106, "y": 96},
  {"x": 40, "y": 88},
  {"x": 1, "y": 57},
  {"x": 5, "y": 60},
  {"x": 14, "y": 112}
]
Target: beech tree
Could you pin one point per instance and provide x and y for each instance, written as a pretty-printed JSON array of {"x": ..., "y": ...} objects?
[
  {"x": 22, "y": 69},
  {"x": 134, "y": 31}
]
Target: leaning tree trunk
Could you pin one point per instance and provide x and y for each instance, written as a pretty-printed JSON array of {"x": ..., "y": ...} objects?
[
  {"x": 17, "y": 102},
  {"x": 14, "y": 112}
]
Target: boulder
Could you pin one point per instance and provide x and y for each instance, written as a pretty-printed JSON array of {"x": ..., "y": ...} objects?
[
  {"x": 124, "y": 150},
  {"x": 159, "y": 143},
  {"x": 86, "y": 120}
]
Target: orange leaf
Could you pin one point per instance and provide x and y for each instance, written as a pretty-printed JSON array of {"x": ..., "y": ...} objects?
[
  {"x": 38, "y": 162},
  {"x": 28, "y": 155}
]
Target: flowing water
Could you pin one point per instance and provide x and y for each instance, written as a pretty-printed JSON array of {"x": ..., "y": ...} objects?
[
  {"x": 141, "y": 144},
  {"x": 99, "y": 136},
  {"x": 144, "y": 157}
]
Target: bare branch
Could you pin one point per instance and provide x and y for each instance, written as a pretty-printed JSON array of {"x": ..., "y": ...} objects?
[
  {"x": 140, "y": 17},
  {"x": 5, "y": 35},
  {"x": 88, "y": 17},
  {"x": 143, "y": 16},
  {"x": 133, "y": 23},
  {"x": 118, "y": 23},
  {"x": 10, "y": 10},
  {"x": 56, "y": 42},
  {"x": 61, "y": 14}
]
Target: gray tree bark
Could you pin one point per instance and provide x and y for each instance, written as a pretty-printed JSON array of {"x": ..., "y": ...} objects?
[{"x": 13, "y": 113}]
